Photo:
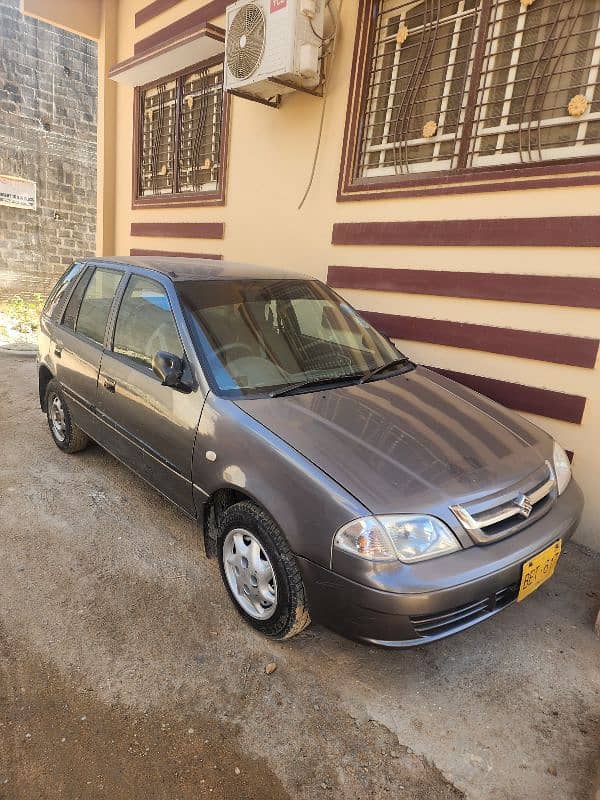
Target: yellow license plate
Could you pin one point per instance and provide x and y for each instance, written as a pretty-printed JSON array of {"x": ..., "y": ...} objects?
[{"x": 539, "y": 569}]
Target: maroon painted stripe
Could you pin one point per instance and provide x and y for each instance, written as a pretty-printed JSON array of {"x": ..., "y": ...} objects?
[
  {"x": 196, "y": 19},
  {"x": 183, "y": 230},
  {"x": 153, "y": 10},
  {"x": 575, "y": 351},
  {"x": 545, "y": 402},
  {"x": 523, "y": 232},
  {"x": 542, "y": 289},
  {"x": 174, "y": 254}
]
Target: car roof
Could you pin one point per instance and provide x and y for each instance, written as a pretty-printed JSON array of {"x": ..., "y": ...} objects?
[{"x": 204, "y": 269}]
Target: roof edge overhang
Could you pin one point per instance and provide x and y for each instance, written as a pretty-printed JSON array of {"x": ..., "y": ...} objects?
[{"x": 198, "y": 44}]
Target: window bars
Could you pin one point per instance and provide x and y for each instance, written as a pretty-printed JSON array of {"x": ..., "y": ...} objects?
[
  {"x": 158, "y": 139},
  {"x": 468, "y": 83},
  {"x": 181, "y": 134}
]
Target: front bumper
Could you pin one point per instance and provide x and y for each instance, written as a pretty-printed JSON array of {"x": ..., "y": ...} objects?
[{"x": 455, "y": 600}]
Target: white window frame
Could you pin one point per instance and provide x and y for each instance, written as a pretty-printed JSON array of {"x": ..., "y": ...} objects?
[
  {"x": 479, "y": 133},
  {"x": 438, "y": 139},
  {"x": 575, "y": 150}
]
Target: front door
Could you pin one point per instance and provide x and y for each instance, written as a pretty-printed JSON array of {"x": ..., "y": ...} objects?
[{"x": 152, "y": 426}]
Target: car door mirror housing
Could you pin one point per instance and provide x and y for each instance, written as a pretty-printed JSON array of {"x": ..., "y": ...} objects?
[{"x": 168, "y": 368}]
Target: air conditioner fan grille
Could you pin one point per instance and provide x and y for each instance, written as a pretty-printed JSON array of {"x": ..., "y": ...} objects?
[{"x": 246, "y": 41}]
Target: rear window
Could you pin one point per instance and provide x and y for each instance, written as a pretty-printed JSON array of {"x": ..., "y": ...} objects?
[{"x": 56, "y": 300}]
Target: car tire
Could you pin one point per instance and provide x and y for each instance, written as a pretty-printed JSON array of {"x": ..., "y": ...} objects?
[
  {"x": 251, "y": 543},
  {"x": 67, "y": 436}
]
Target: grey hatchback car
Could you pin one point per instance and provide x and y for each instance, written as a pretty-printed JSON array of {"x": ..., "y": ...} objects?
[{"x": 333, "y": 478}]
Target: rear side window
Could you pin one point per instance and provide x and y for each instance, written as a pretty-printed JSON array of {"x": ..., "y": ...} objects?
[
  {"x": 72, "y": 309},
  {"x": 96, "y": 304},
  {"x": 54, "y": 303},
  {"x": 145, "y": 323}
]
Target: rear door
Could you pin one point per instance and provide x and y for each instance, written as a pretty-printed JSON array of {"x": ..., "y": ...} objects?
[
  {"x": 153, "y": 426},
  {"x": 52, "y": 314},
  {"x": 80, "y": 342}
]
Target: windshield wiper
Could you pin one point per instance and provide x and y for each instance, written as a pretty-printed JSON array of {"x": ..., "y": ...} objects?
[
  {"x": 397, "y": 362},
  {"x": 295, "y": 387}
]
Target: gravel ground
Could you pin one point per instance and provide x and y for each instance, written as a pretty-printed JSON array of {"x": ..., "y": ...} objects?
[
  {"x": 13, "y": 339},
  {"x": 125, "y": 673}
]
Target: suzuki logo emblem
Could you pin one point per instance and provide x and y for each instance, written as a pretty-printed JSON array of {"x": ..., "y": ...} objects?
[{"x": 523, "y": 503}]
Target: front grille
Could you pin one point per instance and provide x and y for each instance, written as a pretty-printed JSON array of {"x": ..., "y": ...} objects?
[
  {"x": 456, "y": 619},
  {"x": 504, "y": 513}
]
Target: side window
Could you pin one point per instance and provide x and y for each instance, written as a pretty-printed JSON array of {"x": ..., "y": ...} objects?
[
  {"x": 54, "y": 303},
  {"x": 72, "y": 309},
  {"x": 145, "y": 323},
  {"x": 96, "y": 303}
]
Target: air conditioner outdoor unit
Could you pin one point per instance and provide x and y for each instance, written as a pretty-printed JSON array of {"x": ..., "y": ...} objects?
[{"x": 273, "y": 47}]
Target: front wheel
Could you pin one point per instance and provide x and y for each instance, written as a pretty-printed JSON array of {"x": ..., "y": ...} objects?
[{"x": 260, "y": 572}]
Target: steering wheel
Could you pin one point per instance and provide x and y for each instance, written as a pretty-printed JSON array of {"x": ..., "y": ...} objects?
[
  {"x": 306, "y": 348},
  {"x": 327, "y": 359},
  {"x": 227, "y": 348}
]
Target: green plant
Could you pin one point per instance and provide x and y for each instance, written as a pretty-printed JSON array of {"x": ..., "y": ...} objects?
[{"x": 25, "y": 313}]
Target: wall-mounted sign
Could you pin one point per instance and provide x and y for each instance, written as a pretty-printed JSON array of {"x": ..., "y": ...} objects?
[{"x": 17, "y": 192}]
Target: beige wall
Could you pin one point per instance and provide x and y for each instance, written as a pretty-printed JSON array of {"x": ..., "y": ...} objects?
[
  {"x": 269, "y": 163},
  {"x": 78, "y": 16}
]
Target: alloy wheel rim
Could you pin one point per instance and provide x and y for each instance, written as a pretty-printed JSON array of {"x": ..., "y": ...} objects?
[
  {"x": 250, "y": 574},
  {"x": 57, "y": 418}
]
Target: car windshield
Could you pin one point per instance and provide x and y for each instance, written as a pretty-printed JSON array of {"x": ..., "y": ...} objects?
[{"x": 263, "y": 336}]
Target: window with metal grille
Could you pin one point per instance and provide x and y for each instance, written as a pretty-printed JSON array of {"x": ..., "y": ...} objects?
[
  {"x": 180, "y": 145},
  {"x": 454, "y": 84}
]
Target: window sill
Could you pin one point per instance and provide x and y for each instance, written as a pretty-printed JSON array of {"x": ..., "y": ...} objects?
[
  {"x": 573, "y": 172},
  {"x": 212, "y": 198}
]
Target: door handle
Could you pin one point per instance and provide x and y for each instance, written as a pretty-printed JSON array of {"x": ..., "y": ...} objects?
[
  {"x": 58, "y": 350},
  {"x": 109, "y": 384}
]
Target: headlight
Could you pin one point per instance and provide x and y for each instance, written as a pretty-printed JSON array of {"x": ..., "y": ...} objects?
[
  {"x": 562, "y": 468},
  {"x": 392, "y": 537}
]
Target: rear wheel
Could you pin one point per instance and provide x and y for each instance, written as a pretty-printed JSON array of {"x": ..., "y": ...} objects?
[
  {"x": 260, "y": 572},
  {"x": 67, "y": 436}
]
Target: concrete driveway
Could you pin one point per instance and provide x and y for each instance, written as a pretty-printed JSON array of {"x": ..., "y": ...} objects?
[{"x": 125, "y": 672}]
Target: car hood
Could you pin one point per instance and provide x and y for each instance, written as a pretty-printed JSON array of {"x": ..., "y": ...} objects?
[{"x": 407, "y": 443}]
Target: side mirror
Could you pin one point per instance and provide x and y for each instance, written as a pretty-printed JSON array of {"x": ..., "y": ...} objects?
[{"x": 167, "y": 367}]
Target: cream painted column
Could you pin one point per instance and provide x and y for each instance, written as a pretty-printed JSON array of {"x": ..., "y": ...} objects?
[{"x": 106, "y": 131}]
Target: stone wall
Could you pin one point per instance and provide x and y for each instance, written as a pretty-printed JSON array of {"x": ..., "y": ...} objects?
[{"x": 48, "y": 99}]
